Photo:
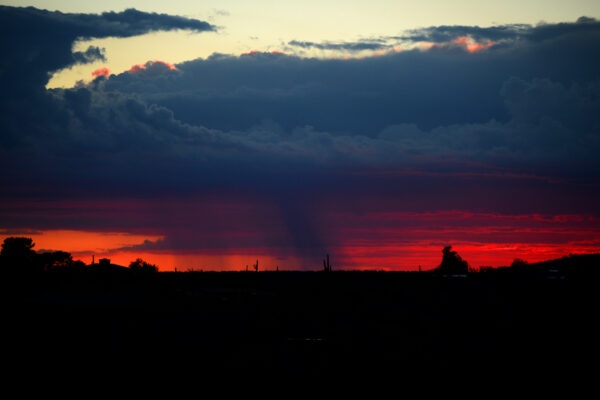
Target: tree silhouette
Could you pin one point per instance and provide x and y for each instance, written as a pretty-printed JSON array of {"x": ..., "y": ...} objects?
[
  {"x": 140, "y": 265},
  {"x": 17, "y": 252},
  {"x": 17, "y": 247},
  {"x": 452, "y": 263},
  {"x": 57, "y": 260}
]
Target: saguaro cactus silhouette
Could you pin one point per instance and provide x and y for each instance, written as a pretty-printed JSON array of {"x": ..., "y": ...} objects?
[{"x": 326, "y": 265}]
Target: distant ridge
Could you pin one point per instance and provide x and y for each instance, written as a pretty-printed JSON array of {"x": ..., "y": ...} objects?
[{"x": 573, "y": 264}]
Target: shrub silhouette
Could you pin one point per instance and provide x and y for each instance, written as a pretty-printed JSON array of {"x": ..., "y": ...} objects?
[
  {"x": 519, "y": 263},
  {"x": 140, "y": 265},
  {"x": 452, "y": 263}
]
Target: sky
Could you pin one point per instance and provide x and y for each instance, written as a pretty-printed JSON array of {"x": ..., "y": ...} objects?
[{"x": 209, "y": 135}]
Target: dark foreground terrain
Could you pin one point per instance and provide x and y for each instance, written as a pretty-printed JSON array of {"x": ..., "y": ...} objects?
[{"x": 539, "y": 318}]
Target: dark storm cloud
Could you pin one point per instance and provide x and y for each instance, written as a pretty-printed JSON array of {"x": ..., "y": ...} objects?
[
  {"x": 439, "y": 87},
  {"x": 115, "y": 140},
  {"x": 523, "y": 106},
  {"x": 510, "y": 128},
  {"x": 37, "y": 42}
]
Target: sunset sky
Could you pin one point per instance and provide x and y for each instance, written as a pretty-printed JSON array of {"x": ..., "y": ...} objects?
[{"x": 210, "y": 134}]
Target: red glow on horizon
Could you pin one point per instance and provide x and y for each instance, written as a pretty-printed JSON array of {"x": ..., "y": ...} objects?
[
  {"x": 231, "y": 260},
  {"x": 402, "y": 257},
  {"x": 429, "y": 255},
  {"x": 101, "y": 72},
  {"x": 235, "y": 232}
]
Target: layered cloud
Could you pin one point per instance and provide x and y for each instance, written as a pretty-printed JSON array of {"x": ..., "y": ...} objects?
[
  {"x": 269, "y": 150},
  {"x": 469, "y": 38},
  {"x": 376, "y": 44},
  {"x": 512, "y": 33}
]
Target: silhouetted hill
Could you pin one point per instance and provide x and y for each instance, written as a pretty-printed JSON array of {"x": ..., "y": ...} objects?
[
  {"x": 578, "y": 263},
  {"x": 574, "y": 266}
]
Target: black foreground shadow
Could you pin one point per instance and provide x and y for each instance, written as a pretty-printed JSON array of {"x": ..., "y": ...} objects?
[{"x": 539, "y": 317}]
